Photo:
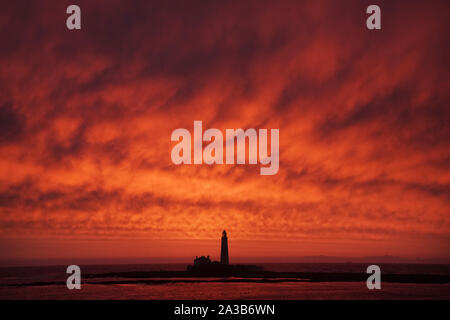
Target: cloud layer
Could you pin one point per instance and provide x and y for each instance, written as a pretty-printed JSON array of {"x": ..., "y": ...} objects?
[{"x": 86, "y": 118}]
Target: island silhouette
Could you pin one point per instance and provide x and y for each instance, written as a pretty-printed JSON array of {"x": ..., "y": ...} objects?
[
  {"x": 203, "y": 266},
  {"x": 205, "y": 270}
]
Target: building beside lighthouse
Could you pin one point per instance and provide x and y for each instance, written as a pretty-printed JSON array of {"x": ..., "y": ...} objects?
[
  {"x": 203, "y": 266},
  {"x": 224, "y": 249}
]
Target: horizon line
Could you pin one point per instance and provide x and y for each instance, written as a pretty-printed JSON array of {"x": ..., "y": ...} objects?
[{"x": 386, "y": 259}]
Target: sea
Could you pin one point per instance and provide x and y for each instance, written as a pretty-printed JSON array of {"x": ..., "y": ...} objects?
[{"x": 49, "y": 282}]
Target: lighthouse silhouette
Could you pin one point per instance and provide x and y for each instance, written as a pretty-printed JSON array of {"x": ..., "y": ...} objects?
[{"x": 224, "y": 249}]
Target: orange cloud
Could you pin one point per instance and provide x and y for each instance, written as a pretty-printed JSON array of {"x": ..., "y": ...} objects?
[{"x": 86, "y": 119}]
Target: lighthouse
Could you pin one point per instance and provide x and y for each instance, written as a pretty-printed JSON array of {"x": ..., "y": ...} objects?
[{"x": 224, "y": 250}]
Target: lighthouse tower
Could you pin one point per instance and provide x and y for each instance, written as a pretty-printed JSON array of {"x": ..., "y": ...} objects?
[{"x": 224, "y": 250}]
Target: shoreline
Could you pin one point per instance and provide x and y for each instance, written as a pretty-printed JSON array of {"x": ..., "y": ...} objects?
[{"x": 165, "y": 277}]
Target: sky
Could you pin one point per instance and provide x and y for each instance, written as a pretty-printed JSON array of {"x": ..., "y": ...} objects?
[{"x": 86, "y": 119}]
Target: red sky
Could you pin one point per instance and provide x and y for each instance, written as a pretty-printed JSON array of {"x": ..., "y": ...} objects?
[{"x": 86, "y": 118}]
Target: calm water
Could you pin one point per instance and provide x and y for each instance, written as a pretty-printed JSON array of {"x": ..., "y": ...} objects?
[{"x": 9, "y": 277}]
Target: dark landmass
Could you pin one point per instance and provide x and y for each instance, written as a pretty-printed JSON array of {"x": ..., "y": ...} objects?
[
  {"x": 279, "y": 276},
  {"x": 216, "y": 272},
  {"x": 368, "y": 259},
  {"x": 164, "y": 277},
  {"x": 246, "y": 272}
]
